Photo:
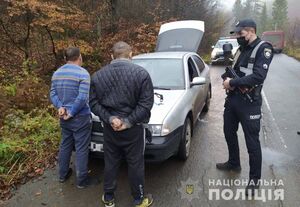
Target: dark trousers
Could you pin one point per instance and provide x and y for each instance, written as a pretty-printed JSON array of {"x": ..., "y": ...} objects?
[
  {"x": 129, "y": 144},
  {"x": 75, "y": 132},
  {"x": 238, "y": 110}
]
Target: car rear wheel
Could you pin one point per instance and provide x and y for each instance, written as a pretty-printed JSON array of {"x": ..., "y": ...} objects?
[
  {"x": 207, "y": 101},
  {"x": 185, "y": 143}
]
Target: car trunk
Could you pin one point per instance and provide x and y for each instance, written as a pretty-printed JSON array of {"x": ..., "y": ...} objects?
[{"x": 180, "y": 36}]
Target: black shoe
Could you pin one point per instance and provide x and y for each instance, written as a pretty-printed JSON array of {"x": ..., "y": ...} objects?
[
  {"x": 88, "y": 182},
  {"x": 62, "y": 180},
  {"x": 226, "y": 166},
  {"x": 252, "y": 186},
  {"x": 108, "y": 200}
]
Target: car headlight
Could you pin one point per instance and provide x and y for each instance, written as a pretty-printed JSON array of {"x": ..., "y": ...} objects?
[
  {"x": 159, "y": 129},
  {"x": 213, "y": 54}
]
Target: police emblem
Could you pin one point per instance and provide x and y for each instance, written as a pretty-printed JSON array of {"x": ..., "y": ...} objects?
[
  {"x": 189, "y": 189},
  {"x": 267, "y": 53}
]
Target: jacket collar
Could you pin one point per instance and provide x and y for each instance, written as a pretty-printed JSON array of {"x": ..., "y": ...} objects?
[
  {"x": 254, "y": 43},
  {"x": 120, "y": 60}
]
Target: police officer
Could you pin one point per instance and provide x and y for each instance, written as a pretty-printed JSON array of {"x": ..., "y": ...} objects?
[{"x": 244, "y": 100}]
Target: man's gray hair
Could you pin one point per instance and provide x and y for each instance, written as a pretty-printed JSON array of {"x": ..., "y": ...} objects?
[{"x": 121, "y": 50}]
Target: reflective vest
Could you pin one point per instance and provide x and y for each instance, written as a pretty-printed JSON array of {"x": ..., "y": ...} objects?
[{"x": 249, "y": 69}]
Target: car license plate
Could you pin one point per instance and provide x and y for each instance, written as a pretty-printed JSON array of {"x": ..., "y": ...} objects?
[{"x": 96, "y": 147}]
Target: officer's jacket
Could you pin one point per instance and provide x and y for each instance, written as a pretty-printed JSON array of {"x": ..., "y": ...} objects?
[{"x": 260, "y": 66}]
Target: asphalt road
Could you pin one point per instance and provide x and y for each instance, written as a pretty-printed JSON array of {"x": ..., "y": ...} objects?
[{"x": 281, "y": 156}]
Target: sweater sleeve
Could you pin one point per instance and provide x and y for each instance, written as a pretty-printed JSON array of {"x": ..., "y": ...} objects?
[{"x": 54, "y": 97}]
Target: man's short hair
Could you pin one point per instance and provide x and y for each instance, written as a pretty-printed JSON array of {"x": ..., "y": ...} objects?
[
  {"x": 250, "y": 28},
  {"x": 121, "y": 50},
  {"x": 72, "y": 53}
]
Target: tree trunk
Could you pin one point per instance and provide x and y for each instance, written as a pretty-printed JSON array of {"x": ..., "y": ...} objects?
[{"x": 114, "y": 17}]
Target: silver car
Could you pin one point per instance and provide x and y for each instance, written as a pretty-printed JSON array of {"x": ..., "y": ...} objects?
[{"x": 182, "y": 89}]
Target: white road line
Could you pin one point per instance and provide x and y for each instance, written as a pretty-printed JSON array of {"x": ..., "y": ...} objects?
[{"x": 273, "y": 118}]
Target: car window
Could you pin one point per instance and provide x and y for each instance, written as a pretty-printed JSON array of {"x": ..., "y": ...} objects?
[
  {"x": 199, "y": 63},
  {"x": 193, "y": 72},
  {"x": 165, "y": 73}
]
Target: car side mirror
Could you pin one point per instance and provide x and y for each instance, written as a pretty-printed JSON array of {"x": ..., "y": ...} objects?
[
  {"x": 197, "y": 81},
  {"x": 212, "y": 46}
]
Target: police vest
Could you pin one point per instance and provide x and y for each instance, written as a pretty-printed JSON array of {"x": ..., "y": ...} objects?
[{"x": 249, "y": 69}]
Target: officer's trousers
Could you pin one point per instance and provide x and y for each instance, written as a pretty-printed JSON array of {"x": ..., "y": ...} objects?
[
  {"x": 75, "y": 132},
  {"x": 129, "y": 144},
  {"x": 239, "y": 110}
]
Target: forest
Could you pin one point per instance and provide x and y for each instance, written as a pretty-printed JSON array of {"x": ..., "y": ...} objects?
[{"x": 33, "y": 36}]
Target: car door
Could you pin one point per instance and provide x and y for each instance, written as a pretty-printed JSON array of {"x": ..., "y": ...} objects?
[
  {"x": 195, "y": 90},
  {"x": 180, "y": 36},
  {"x": 204, "y": 72}
]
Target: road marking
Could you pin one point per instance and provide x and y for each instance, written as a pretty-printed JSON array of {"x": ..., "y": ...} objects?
[{"x": 273, "y": 118}]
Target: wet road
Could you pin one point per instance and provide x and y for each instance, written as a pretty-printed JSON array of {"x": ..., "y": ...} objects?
[{"x": 281, "y": 156}]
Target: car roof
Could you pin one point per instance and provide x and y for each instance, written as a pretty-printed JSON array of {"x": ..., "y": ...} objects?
[
  {"x": 226, "y": 40},
  {"x": 162, "y": 55}
]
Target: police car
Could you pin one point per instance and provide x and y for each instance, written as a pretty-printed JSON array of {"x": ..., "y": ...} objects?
[
  {"x": 182, "y": 89},
  {"x": 217, "y": 55}
]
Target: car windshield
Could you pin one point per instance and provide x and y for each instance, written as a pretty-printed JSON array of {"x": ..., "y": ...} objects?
[
  {"x": 220, "y": 43},
  {"x": 165, "y": 73}
]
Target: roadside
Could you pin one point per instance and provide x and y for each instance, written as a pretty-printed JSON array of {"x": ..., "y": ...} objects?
[{"x": 292, "y": 52}]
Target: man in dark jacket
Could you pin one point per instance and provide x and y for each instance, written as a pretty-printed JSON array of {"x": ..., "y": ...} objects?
[
  {"x": 244, "y": 100},
  {"x": 122, "y": 96}
]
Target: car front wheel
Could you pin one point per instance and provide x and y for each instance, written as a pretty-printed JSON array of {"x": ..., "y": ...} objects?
[
  {"x": 185, "y": 143},
  {"x": 207, "y": 101}
]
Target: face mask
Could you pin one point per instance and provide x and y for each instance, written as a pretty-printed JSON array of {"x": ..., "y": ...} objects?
[{"x": 242, "y": 41}]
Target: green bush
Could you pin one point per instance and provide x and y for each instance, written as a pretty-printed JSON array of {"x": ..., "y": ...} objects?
[
  {"x": 292, "y": 51},
  {"x": 11, "y": 89},
  {"x": 24, "y": 135}
]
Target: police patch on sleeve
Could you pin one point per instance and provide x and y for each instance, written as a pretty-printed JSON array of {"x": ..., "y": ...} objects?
[
  {"x": 265, "y": 66},
  {"x": 267, "y": 53}
]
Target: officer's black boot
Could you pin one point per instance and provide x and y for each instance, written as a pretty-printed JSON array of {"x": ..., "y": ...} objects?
[
  {"x": 226, "y": 166},
  {"x": 252, "y": 186}
]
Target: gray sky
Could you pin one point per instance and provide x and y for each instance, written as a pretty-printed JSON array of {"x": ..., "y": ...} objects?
[
  {"x": 227, "y": 3},
  {"x": 293, "y": 6}
]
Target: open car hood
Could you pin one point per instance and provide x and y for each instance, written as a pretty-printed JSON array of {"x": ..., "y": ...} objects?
[{"x": 180, "y": 36}]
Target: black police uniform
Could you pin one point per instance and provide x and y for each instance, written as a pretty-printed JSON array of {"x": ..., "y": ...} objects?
[{"x": 239, "y": 109}]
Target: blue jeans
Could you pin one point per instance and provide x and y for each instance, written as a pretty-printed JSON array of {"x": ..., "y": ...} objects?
[{"x": 76, "y": 132}]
